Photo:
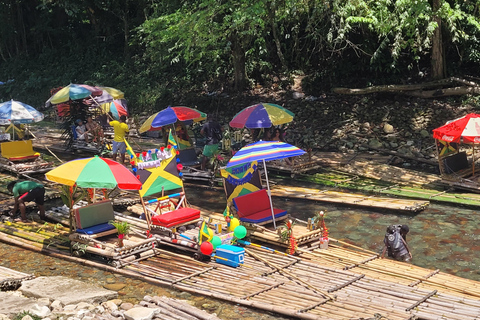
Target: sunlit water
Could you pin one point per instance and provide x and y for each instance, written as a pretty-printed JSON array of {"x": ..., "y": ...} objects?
[{"x": 441, "y": 237}]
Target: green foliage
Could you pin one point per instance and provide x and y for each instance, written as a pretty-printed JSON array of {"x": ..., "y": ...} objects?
[
  {"x": 19, "y": 316},
  {"x": 122, "y": 227}
]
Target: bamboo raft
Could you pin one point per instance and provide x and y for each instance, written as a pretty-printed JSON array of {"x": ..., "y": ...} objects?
[
  {"x": 11, "y": 279},
  {"x": 341, "y": 282},
  {"x": 350, "y": 199}
]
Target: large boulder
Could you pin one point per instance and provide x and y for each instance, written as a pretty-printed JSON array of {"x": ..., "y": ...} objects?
[{"x": 66, "y": 290}]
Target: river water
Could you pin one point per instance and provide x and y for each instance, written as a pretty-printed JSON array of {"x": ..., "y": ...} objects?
[{"x": 441, "y": 237}]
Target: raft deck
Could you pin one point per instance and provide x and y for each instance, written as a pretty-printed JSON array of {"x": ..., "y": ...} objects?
[
  {"x": 411, "y": 206},
  {"x": 341, "y": 282}
]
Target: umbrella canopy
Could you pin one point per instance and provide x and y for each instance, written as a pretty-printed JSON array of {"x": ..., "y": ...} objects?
[
  {"x": 466, "y": 128},
  {"x": 73, "y": 92},
  {"x": 264, "y": 151},
  {"x": 262, "y": 115},
  {"x": 171, "y": 115},
  {"x": 94, "y": 172},
  {"x": 116, "y": 107},
  {"x": 17, "y": 112},
  {"x": 108, "y": 95}
]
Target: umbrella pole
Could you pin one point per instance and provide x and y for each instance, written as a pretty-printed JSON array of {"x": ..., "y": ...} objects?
[
  {"x": 269, "y": 195},
  {"x": 473, "y": 158}
]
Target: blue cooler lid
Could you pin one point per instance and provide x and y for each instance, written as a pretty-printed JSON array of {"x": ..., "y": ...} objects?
[{"x": 228, "y": 247}]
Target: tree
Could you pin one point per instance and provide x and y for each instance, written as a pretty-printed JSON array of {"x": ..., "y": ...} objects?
[{"x": 405, "y": 27}]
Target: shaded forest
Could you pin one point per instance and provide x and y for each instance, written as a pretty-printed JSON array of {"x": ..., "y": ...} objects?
[{"x": 176, "y": 52}]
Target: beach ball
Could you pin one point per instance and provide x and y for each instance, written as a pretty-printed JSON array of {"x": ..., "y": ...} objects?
[
  {"x": 206, "y": 248},
  {"x": 240, "y": 232},
  {"x": 233, "y": 224},
  {"x": 216, "y": 241}
]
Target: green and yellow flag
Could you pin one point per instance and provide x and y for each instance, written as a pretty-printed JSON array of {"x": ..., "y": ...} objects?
[{"x": 171, "y": 139}]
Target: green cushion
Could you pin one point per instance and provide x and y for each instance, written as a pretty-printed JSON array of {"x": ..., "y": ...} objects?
[{"x": 93, "y": 214}]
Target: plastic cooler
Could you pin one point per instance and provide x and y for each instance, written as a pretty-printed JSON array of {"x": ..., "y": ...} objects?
[{"x": 234, "y": 254}]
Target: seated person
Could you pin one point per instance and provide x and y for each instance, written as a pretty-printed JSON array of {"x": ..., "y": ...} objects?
[
  {"x": 95, "y": 130},
  {"x": 278, "y": 135},
  {"x": 81, "y": 131}
]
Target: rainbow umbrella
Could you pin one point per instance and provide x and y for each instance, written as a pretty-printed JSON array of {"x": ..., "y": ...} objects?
[
  {"x": 73, "y": 92},
  {"x": 117, "y": 107},
  {"x": 262, "y": 115},
  {"x": 108, "y": 95},
  {"x": 94, "y": 172},
  {"x": 264, "y": 151},
  {"x": 171, "y": 115}
]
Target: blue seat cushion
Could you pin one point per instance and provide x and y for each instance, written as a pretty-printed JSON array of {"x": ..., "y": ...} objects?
[{"x": 96, "y": 229}]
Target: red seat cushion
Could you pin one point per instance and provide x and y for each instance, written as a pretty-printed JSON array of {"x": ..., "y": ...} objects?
[
  {"x": 176, "y": 217},
  {"x": 252, "y": 203},
  {"x": 264, "y": 215},
  {"x": 35, "y": 156}
]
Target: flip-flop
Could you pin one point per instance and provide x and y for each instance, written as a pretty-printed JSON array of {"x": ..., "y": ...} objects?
[{"x": 20, "y": 220}]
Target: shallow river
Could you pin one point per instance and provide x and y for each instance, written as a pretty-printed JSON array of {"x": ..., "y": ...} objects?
[{"x": 441, "y": 237}]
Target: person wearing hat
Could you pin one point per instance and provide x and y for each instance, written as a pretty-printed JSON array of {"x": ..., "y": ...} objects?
[{"x": 25, "y": 191}]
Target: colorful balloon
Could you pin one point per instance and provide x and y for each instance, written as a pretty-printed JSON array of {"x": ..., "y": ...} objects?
[
  {"x": 206, "y": 248},
  {"x": 240, "y": 232},
  {"x": 233, "y": 224},
  {"x": 216, "y": 241}
]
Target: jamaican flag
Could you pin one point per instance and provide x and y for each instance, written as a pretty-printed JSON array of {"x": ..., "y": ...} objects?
[
  {"x": 241, "y": 179},
  {"x": 204, "y": 233},
  {"x": 157, "y": 178}
]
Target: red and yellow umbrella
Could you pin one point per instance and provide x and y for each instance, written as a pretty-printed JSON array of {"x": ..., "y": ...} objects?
[{"x": 94, "y": 172}]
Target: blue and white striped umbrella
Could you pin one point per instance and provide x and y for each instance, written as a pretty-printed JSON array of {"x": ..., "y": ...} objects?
[
  {"x": 264, "y": 151},
  {"x": 17, "y": 112}
]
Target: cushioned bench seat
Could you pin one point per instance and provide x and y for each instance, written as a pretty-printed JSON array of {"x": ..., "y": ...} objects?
[
  {"x": 255, "y": 207},
  {"x": 18, "y": 150},
  {"x": 176, "y": 217},
  {"x": 94, "y": 219},
  {"x": 96, "y": 229}
]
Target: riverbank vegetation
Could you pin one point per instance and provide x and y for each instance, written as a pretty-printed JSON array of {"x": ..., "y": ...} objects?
[{"x": 224, "y": 55}]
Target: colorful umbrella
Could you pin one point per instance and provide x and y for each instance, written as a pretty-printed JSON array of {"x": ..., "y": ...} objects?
[
  {"x": 116, "y": 107},
  {"x": 94, "y": 172},
  {"x": 73, "y": 92},
  {"x": 171, "y": 115},
  {"x": 108, "y": 95},
  {"x": 262, "y": 115},
  {"x": 17, "y": 112},
  {"x": 264, "y": 151},
  {"x": 466, "y": 128}
]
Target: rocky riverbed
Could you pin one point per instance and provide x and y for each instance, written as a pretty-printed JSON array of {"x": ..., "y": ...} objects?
[{"x": 68, "y": 299}]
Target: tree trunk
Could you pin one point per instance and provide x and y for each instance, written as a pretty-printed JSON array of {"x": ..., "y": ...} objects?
[
  {"x": 238, "y": 54},
  {"x": 438, "y": 61},
  {"x": 271, "y": 17}
]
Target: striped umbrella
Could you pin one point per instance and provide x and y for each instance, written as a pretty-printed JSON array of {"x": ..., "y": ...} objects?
[
  {"x": 73, "y": 92},
  {"x": 117, "y": 107},
  {"x": 262, "y": 115},
  {"x": 264, "y": 151},
  {"x": 171, "y": 115},
  {"x": 94, "y": 172},
  {"x": 18, "y": 112}
]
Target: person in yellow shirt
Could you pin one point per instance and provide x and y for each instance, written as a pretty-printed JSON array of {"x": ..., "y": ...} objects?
[{"x": 120, "y": 129}]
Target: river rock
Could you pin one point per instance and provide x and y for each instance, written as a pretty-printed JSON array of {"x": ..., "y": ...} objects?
[
  {"x": 13, "y": 304},
  {"x": 56, "y": 305},
  {"x": 125, "y": 306},
  {"x": 62, "y": 288},
  {"x": 4, "y": 317},
  {"x": 41, "y": 311},
  {"x": 374, "y": 143},
  {"x": 110, "y": 305},
  {"x": 140, "y": 313},
  {"x": 388, "y": 128},
  {"x": 85, "y": 305},
  {"x": 27, "y": 317},
  {"x": 114, "y": 286}
]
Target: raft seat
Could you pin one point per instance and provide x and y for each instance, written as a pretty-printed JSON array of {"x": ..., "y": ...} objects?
[
  {"x": 255, "y": 207},
  {"x": 94, "y": 218},
  {"x": 176, "y": 217},
  {"x": 18, "y": 150}
]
